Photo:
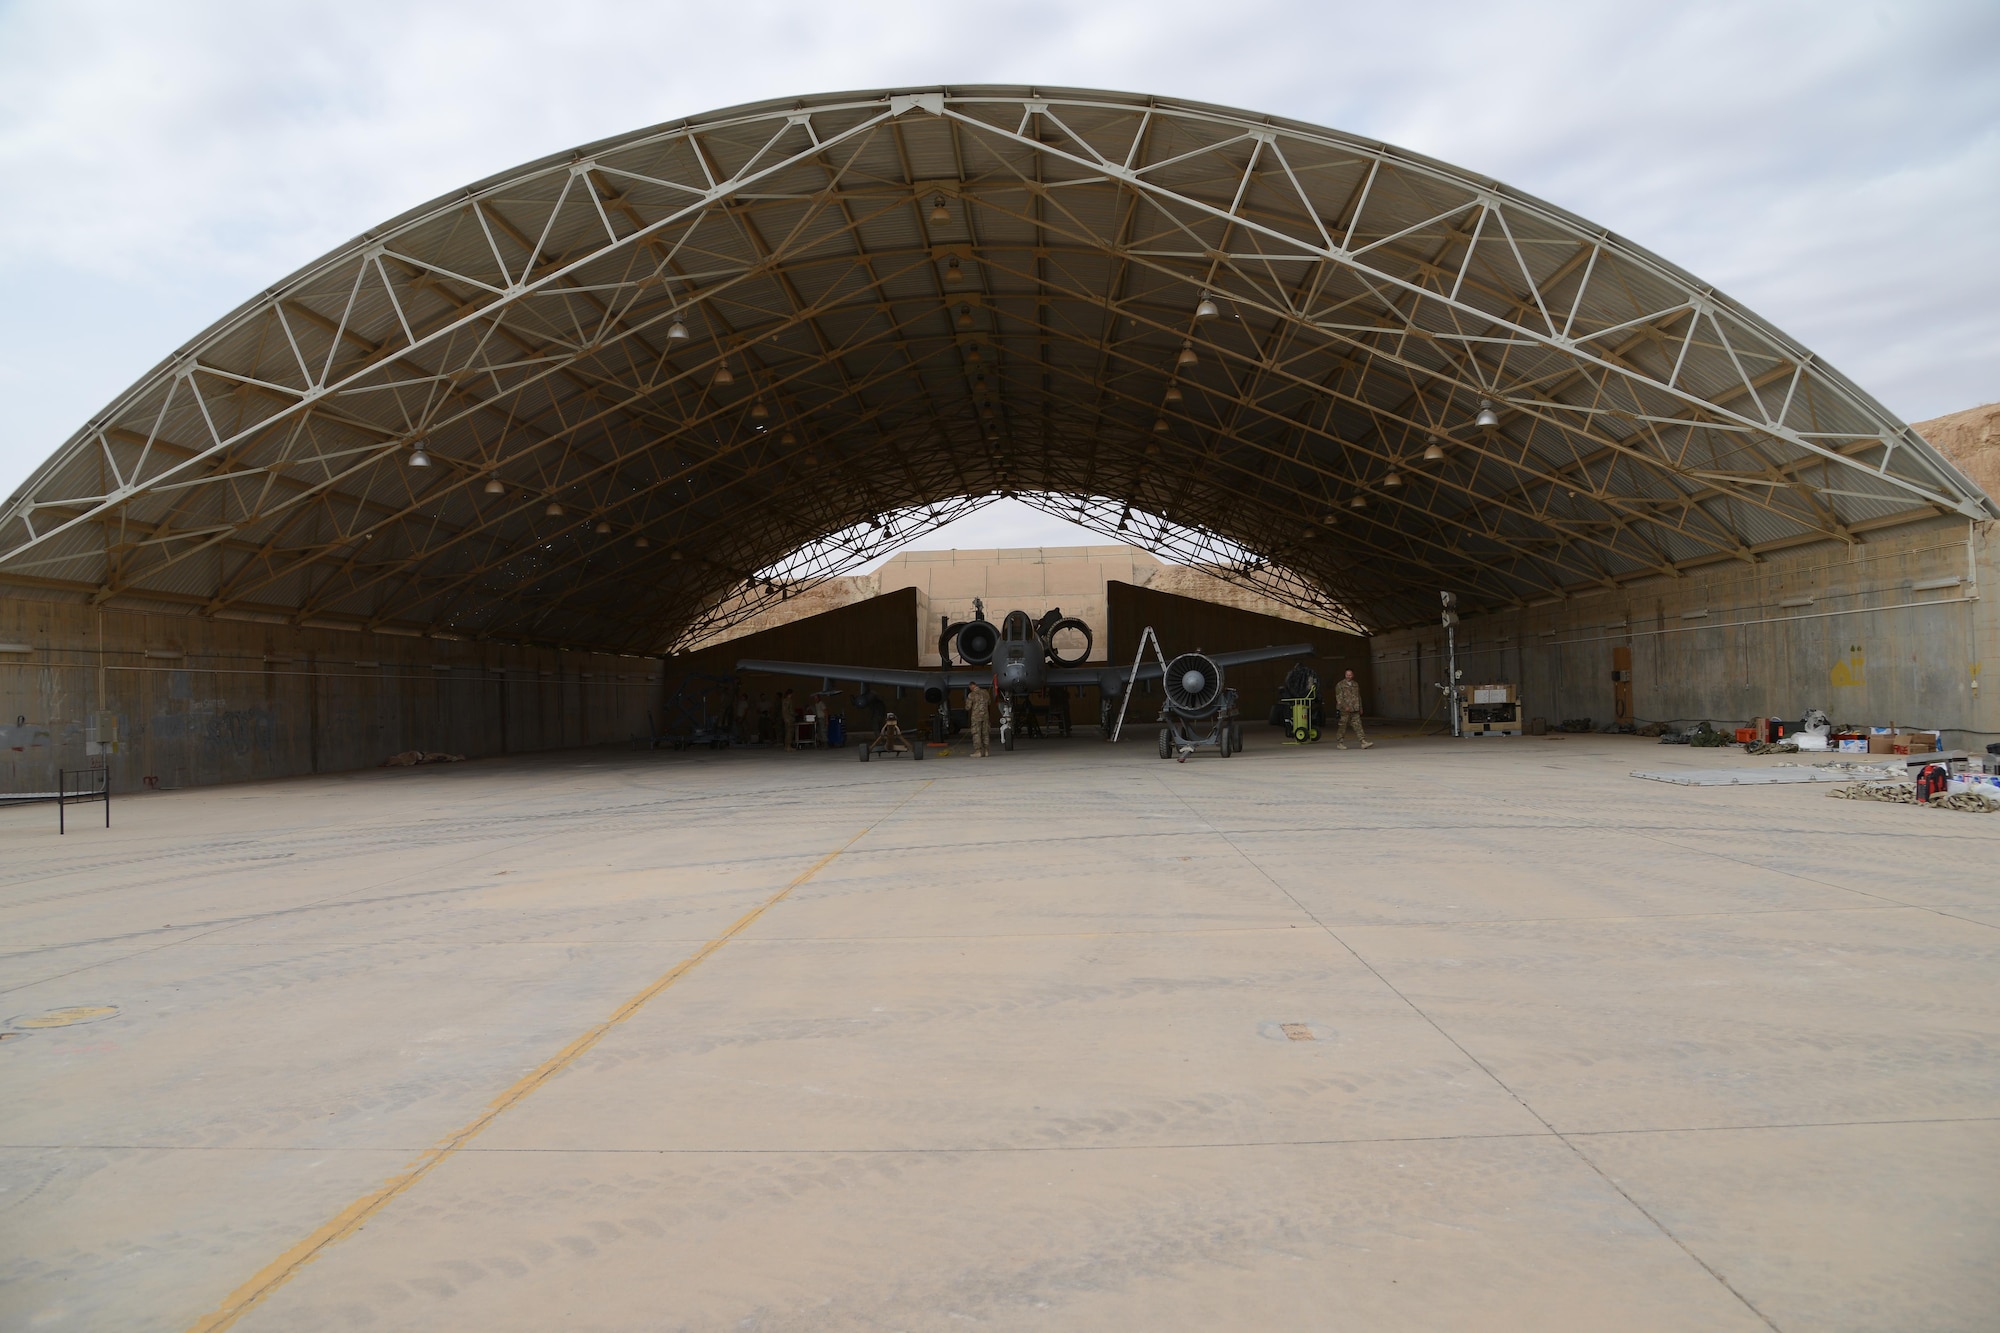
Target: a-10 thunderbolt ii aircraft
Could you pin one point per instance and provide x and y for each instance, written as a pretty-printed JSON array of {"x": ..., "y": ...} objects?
[{"x": 1015, "y": 659}]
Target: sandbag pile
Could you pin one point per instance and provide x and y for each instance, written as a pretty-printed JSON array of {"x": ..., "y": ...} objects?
[
  {"x": 411, "y": 758},
  {"x": 1903, "y": 793},
  {"x": 1898, "y": 792}
]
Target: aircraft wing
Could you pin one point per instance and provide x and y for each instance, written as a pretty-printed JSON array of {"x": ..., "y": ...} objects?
[
  {"x": 956, "y": 678},
  {"x": 1116, "y": 675},
  {"x": 1246, "y": 656}
]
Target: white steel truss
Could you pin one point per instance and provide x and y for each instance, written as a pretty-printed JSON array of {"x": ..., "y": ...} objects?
[{"x": 649, "y": 373}]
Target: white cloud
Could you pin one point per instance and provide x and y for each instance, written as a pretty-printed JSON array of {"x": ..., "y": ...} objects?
[{"x": 1833, "y": 166}]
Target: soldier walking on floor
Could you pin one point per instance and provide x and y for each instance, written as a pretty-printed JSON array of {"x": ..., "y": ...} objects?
[
  {"x": 975, "y": 712},
  {"x": 1347, "y": 699}
]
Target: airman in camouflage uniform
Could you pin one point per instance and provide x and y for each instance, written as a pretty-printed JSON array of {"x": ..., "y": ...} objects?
[
  {"x": 1347, "y": 700},
  {"x": 975, "y": 710}
]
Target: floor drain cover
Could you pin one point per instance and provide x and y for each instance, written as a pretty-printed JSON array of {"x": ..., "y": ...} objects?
[
  {"x": 1297, "y": 1031},
  {"x": 62, "y": 1018}
]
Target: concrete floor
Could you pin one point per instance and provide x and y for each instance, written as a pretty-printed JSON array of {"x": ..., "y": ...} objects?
[{"x": 1585, "y": 1052}]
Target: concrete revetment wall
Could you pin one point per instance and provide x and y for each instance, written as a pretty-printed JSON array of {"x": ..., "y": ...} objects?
[
  {"x": 1027, "y": 578},
  {"x": 1896, "y": 629},
  {"x": 176, "y": 701},
  {"x": 877, "y": 633}
]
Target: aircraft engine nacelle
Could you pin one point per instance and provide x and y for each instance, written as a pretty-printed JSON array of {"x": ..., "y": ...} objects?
[
  {"x": 977, "y": 641},
  {"x": 1193, "y": 685},
  {"x": 1071, "y": 629}
]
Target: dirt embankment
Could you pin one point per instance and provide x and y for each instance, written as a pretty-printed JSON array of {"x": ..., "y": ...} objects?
[{"x": 1971, "y": 440}]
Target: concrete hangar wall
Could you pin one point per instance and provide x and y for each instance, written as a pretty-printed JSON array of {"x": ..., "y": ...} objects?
[
  {"x": 1891, "y": 630},
  {"x": 168, "y": 700}
]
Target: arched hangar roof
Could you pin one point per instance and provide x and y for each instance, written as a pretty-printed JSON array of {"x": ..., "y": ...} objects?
[{"x": 667, "y": 375}]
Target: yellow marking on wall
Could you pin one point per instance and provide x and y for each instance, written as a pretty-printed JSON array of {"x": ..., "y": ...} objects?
[
  {"x": 1849, "y": 670},
  {"x": 351, "y": 1218}
]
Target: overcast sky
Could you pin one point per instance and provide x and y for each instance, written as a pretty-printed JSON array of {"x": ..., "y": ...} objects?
[{"x": 1834, "y": 166}]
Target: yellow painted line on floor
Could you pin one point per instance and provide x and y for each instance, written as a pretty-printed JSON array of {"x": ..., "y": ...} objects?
[{"x": 351, "y": 1218}]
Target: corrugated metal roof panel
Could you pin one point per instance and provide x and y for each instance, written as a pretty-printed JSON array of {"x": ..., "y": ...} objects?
[{"x": 828, "y": 286}]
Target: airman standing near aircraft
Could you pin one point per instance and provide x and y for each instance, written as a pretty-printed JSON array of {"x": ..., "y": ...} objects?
[
  {"x": 1347, "y": 699},
  {"x": 975, "y": 712},
  {"x": 787, "y": 721}
]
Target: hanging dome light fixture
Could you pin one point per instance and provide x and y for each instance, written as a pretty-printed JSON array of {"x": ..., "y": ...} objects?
[
  {"x": 722, "y": 375},
  {"x": 1393, "y": 479},
  {"x": 760, "y": 412},
  {"x": 952, "y": 272},
  {"x": 1160, "y": 427},
  {"x": 1208, "y": 308},
  {"x": 643, "y": 542},
  {"x": 1487, "y": 418},
  {"x": 493, "y": 486},
  {"x": 1174, "y": 394},
  {"x": 965, "y": 317},
  {"x": 1358, "y": 502},
  {"x": 554, "y": 510},
  {"x": 788, "y": 438},
  {"x": 939, "y": 213},
  {"x": 1187, "y": 358},
  {"x": 418, "y": 458},
  {"x": 1433, "y": 451},
  {"x": 677, "y": 332},
  {"x": 601, "y": 528}
]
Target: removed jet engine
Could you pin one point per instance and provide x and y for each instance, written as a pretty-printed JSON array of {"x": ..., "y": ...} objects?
[{"x": 1199, "y": 709}]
